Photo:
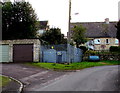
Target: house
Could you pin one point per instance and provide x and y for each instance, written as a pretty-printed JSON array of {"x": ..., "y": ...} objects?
[
  {"x": 43, "y": 26},
  {"x": 101, "y": 35}
]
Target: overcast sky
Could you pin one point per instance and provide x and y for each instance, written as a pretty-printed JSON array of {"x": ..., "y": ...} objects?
[{"x": 56, "y": 11}]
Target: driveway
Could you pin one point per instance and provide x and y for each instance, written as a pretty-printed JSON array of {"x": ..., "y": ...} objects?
[{"x": 30, "y": 76}]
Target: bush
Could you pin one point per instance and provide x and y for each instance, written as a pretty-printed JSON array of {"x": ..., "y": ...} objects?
[
  {"x": 91, "y": 52},
  {"x": 83, "y": 48},
  {"x": 115, "y": 49}
]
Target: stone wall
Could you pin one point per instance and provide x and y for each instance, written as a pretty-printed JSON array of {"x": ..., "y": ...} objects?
[
  {"x": 36, "y": 47},
  {"x": 112, "y": 57}
]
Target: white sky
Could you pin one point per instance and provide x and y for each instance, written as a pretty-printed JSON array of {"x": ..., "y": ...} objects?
[{"x": 56, "y": 11}]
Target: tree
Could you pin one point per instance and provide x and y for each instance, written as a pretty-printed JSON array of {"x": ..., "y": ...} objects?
[
  {"x": 79, "y": 35},
  {"x": 118, "y": 31},
  {"x": 53, "y": 36},
  {"x": 18, "y": 21}
]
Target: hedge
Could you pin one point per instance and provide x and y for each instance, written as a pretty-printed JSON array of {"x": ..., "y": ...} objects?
[
  {"x": 83, "y": 48},
  {"x": 115, "y": 49}
]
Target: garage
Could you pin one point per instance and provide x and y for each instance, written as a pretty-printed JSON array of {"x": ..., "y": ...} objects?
[
  {"x": 23, "y": 53},
  {"x": 4, "y": 53}
]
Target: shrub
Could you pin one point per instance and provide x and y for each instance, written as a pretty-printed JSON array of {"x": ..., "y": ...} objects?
[
  {"x": 115, "y": 49},
  {"x": 83, "y": 48},
  {"x": 91, "y": 52}
]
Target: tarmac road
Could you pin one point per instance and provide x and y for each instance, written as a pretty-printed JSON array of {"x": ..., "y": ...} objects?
[
  {"x": 30, "y": 76},
  {"x": 105, "y": 78}
]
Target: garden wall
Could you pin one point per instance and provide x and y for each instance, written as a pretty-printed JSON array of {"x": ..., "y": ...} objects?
[{"x": 112, "y": 57}]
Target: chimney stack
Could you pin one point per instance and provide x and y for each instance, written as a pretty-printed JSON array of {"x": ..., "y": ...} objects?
[{"x": 107, "y": 20}]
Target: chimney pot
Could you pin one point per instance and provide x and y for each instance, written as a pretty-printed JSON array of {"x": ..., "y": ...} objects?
[{"x": 107, "y": 20}]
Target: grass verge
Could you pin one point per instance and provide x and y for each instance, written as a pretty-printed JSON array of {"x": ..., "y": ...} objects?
[
  {"x": 73, "y": 66},
  {"x": 112, "y": 62},
  {"x": 4, "y": 81}
]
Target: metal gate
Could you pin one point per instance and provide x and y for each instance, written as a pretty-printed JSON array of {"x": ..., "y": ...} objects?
[
  {"x": 59, "y": 54},
  {"x": 4, "y": 53},
  {"x": 49, "y": 55},
  {"x": 77, "y": 55},
  {"x": 23, "y": 53}
]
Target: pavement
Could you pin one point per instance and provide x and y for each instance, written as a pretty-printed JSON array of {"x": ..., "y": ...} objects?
[{"x": 30, "y": 76}]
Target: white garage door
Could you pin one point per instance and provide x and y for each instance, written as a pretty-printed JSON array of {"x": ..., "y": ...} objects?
[{"x": 4, "y": 53}]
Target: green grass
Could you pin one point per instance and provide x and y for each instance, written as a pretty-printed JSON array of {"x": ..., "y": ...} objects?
[
  {"x": 112, "y": 62},
  {"x": 4, "y": 81},
  {"x": 73, "y": 66}
]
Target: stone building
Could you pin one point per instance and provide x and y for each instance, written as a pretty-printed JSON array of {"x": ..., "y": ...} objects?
[
  {"x": 24, "y": 50},
  {"x": 101, "y": 35}
]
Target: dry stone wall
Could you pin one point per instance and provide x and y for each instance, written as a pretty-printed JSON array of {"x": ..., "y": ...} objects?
[{"x": 112, "y": 57}]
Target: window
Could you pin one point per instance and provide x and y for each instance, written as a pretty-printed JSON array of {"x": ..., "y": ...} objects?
[
  {"x": 107, "y": 41},
  {"x": 97, "y": 41},
  {"x": 116, "y": 41}
]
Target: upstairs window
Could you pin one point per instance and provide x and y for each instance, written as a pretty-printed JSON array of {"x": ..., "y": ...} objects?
[
  {"x": 97, "y": 41},
  {"x": 116, "y": 41},
  {"x": 107, "y": 41}
]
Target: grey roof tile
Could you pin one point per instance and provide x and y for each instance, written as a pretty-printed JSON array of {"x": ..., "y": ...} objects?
[{"x": 98, "y": 29}]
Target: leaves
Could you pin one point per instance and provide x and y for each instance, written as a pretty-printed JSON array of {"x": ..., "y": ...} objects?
[
  {"x": 79, "y": 35},
  {"x": 54, "y": 36},
  {"x": 118, "y": 30},
  {"x": 18, "y": 21}
]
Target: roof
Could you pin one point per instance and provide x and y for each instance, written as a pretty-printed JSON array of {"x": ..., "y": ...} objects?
[
  {"x": 98, "y": 29},
  {"x": 43, "y": 24}
]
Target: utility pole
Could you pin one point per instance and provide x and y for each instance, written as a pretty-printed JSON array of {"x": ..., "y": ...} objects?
[{"x": 68, "y": 35}]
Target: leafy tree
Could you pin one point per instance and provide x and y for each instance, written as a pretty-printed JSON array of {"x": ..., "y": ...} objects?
[
  {"x": 53, "y": 36},
  {"x": 118, "y": 31},
  {"x": 18, "y": 21},
  {"x": 79, "y": 35}
]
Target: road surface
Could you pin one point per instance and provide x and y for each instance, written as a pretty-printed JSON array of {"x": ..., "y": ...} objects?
[
  {"x": 103, "y": 78},
  {"x": 30, "y": 76}
]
